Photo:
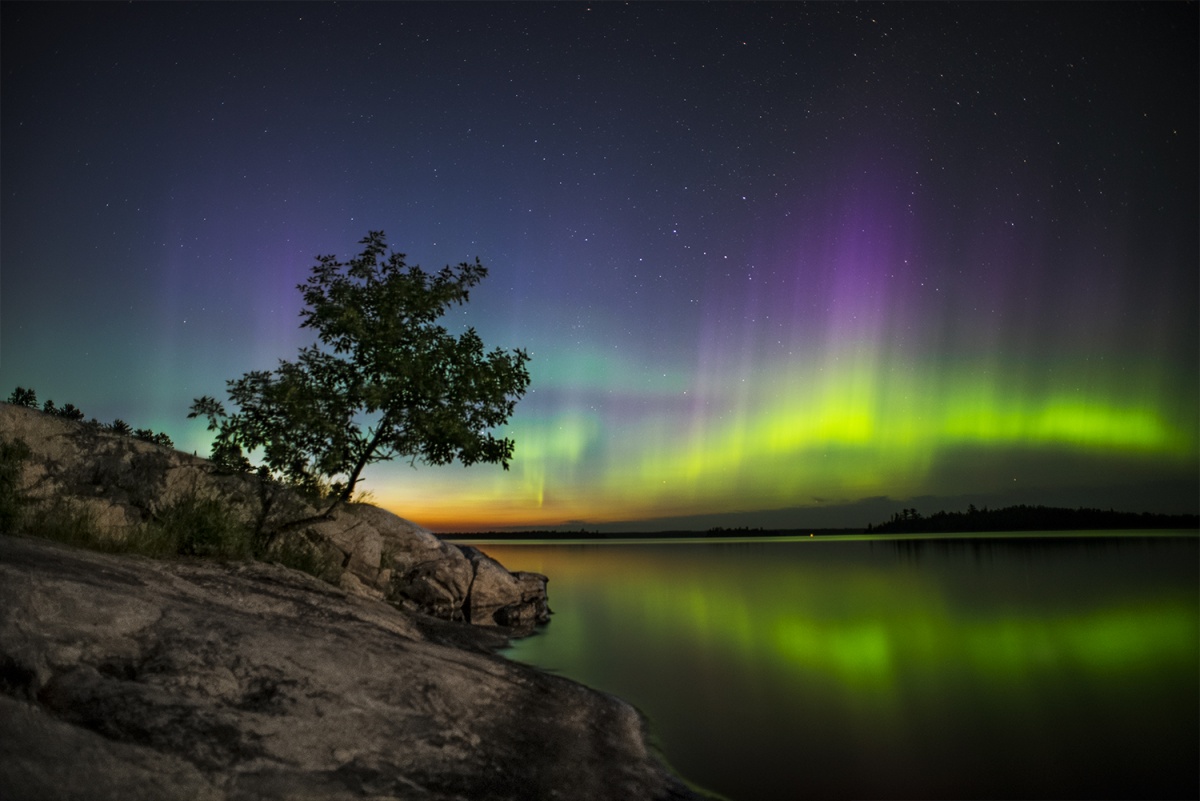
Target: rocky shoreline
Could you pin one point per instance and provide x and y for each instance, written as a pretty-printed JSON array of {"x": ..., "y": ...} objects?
[
  {"x": 81, "y": 476},
  {"x": 127, "y": 677}
]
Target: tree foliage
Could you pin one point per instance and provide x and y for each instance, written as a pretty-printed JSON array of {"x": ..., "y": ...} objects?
[
  {"x": 119, "y": 426},
  {"x": 385, "y": 381},
  {"x": 23, "y": 397}
]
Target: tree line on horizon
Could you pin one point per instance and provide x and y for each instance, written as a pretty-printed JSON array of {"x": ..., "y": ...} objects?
[
  {"x": 906, "y": 521},
  {"x": 1028, "y": 518}
]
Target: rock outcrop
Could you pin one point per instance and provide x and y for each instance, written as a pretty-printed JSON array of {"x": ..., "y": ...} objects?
[
  {"x": 127, "y": 678},
  {"x": 120, "y": 482}
]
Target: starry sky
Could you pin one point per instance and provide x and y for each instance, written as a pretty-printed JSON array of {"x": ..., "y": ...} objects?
[{"x": 778, "y": 265}]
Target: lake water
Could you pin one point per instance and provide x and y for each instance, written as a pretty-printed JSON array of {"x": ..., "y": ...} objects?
[{"x": 852, "y": 667}]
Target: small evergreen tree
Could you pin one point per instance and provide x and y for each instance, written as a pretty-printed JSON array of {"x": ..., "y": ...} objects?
[{"x": 70, "y": 412}]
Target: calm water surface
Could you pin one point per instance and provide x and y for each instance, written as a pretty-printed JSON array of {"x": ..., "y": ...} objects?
[{"x": 898, "y": 668}]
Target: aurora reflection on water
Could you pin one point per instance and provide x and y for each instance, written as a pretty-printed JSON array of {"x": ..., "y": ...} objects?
[{"x": 1061, "y": 668}]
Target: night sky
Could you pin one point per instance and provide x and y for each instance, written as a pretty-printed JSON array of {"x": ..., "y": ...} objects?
[{"x": 776, "y": 264}]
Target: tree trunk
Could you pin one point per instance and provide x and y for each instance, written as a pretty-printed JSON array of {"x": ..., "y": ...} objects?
[{"x": 372, "y": 446}]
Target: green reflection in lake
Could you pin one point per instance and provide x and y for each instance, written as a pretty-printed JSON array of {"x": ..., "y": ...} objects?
[{"x": 892, "y": 668}]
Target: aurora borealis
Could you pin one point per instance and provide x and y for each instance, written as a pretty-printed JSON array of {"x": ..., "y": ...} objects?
[{"x": 776, "y": 264}]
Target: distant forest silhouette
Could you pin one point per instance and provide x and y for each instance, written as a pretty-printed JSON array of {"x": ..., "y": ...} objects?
[
  {"x": 1028, "y": 518},
  {"x": 906, "y": 521}
]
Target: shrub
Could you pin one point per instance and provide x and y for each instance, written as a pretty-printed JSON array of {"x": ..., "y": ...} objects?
[
  {"x": 299, "y": 553},
  {"x": 13, "y": 454},
  {"x": 202, "y": 526},
  {"x": 63, "y": 521}
]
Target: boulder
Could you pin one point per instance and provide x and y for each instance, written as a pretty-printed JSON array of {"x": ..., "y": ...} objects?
[
  {"x": 498, "y": 597},
  {"x": 415, "y": 569},
  {"x": 127, "y": 678}
]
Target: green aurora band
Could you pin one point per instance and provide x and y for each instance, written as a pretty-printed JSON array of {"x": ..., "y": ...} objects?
[{"x": 795, "y": 437}]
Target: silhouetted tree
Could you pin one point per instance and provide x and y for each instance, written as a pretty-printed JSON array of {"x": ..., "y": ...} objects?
[
  {"x": 146, "y": 435},
  {"x": 119, "y": 426},
  {"x": 23, "y": 397},
  {"x": 389, "y": 382},
  {"x": 70, "y": 412}
]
